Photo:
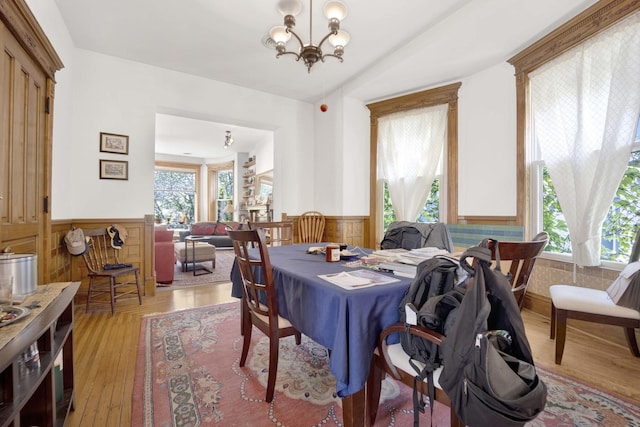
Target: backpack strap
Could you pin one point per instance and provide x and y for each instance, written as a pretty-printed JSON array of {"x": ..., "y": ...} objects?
[
  {"x": 419, "y": 403},
  {"x": 477, "y": 252}
]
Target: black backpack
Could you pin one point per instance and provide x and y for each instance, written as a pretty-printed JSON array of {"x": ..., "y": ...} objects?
[
  {"x": 402, "y": 237},
  {"x": 488, "y": 370},
  {"x": 431, "y": 301}
]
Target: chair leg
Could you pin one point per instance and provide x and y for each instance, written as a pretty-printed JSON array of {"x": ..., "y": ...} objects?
[
  {"x": 455, "y": 421},
  {"x": 112, "y": 293},
  {"x": 561, "y": 333},
  {"x": 89, "y": 293},
  {"x": 138, "y": 287},
  {"x": 274, "y": 347},
  {"x": 552, "y": 332},
  {"x": 630, "y": 333},
  {"x": 247, "y": 328},
  {"x": 298, "y": 336}
]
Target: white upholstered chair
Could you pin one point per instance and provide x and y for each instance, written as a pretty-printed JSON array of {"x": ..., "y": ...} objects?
[{"x": 592, "y": 305}]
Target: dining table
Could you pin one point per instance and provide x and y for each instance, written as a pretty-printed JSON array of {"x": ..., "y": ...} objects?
[{"x": 345, "y": 320}]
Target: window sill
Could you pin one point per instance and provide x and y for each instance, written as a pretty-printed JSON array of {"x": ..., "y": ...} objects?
[{"x": 609, "y": 265}]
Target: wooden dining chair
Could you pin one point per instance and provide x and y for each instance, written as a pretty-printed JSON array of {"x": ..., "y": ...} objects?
[
  {"x": 592, "y": 305},
  {"x": 522, "y": 257},
  {"x": 259, "y": 302},
  {"x": 394, "y": 361},
  {"x": 112, "y": 282},
  {"x": 277, "y": 233},
  {"x": 311, "y": 227}
]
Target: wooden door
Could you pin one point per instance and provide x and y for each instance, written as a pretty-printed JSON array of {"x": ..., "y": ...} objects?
[{"x": 23, "y": 153}]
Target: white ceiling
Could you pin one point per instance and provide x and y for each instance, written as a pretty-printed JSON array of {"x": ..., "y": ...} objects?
[
  {"x": 184, "y": 136},
  {"x": 396, "y": 47}
]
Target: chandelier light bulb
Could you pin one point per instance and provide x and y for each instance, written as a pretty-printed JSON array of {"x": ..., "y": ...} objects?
[
  {"x": 228, "y": 140},
  {"x": 309, "y": 52},
  {"x": 335, "y": 10},
  {"x": 290, "y": 7},
  {"x": 279, "y": 34},
  {"x": 340, "y": 39}
]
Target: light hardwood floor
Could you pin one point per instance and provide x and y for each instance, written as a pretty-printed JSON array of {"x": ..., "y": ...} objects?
[{"x": 106, "y": 345}]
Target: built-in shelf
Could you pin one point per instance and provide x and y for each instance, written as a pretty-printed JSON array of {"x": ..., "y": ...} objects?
[{"x": 29, "y": 398}]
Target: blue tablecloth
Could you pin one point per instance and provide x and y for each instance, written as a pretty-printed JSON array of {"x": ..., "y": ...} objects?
[{"x": 346, "y": 321}]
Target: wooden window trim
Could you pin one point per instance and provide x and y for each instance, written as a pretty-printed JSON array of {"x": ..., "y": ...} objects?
[
  {"x": 442, "y": 95},
  {"x": 592, "y": 21}
]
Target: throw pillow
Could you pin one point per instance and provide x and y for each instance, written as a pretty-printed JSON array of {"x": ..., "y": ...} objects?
[
  {"x": 203, "y": 228},
  {"x": 221, "y": 229}
]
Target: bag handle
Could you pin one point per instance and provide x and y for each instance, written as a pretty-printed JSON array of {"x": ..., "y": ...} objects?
[
  {"x": 496, "y": 250},
  {"x": 477, "y": 252}
]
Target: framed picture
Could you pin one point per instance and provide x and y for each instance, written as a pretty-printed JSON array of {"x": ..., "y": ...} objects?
[
  {"x": 112, "y": 143},
  {"x": 114, "y": 169}
]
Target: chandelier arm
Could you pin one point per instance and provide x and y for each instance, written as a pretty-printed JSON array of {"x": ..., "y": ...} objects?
[
  {"x": 332, "y": 33},
  {"x": 290, "y": 31},
  {"x": 335, "y": 56},
  {"x": 287, "y": 52}
]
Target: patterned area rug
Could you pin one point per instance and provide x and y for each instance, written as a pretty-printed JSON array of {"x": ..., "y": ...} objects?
[
  {"x": 188, "y": 375},
  {"x": 181, "y": 280}
]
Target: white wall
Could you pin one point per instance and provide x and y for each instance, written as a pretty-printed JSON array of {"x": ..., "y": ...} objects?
[
  {"x": 487, "y": 143},
  {"x": 321, "y": 160},
  {"x": 119, "y": 96},
  {"x": 486, "y": 146}
]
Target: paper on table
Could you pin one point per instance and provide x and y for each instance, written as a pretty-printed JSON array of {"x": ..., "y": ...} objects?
[
  {"x": 346, "y": 279},
  {"x": 357, "y": 279}
]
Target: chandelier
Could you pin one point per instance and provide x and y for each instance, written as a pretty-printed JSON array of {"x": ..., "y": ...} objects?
[
  {"x": 310, "y": 53},
  {"x": 228, "y": 140}
]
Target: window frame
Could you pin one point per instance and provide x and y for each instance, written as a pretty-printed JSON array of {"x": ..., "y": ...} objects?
[
  {"x": 212, "y": 187},
  {"x": 185, "y": 167},
  {"x": 442, "y": 95},
  {"x": 592, "y": 21},
  {"x": 536, "y": 189}
]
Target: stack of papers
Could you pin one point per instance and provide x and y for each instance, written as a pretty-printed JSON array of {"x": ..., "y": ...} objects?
[
  {"x": 416, "y": 256},
  {"x": 357, "y": 279},
  {"x": 389, "y": 255},
  {"x": 406, "y": 270}
]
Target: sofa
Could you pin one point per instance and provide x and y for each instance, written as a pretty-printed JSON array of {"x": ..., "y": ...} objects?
[
  {"x": 165, "y": 257},
  {"x": 216, "y": 232}
]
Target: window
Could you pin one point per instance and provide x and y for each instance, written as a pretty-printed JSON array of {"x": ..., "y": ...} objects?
[
  {"x": 224, "y": 202},
  {"x": 430, "y": 212},
  {"x": 220, "y": 191},
  {"x": 175, "y": 194},
  {"x": 620, "y": 225},
  {"x": 584, "y": 108},
  {"x": 442, "y": 197}
]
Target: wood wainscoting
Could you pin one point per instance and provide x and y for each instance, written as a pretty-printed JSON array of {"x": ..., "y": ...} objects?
[
  {"x": 137, "y": 250},
  {"x": 352, "y": 230}
]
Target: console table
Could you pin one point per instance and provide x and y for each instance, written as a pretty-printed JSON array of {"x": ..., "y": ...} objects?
[{"x": 28, "y": 399}]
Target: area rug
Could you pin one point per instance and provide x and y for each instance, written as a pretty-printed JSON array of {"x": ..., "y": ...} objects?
[
  {"x": 186, "y": 279},
  {"x": 188, "y": 375}
]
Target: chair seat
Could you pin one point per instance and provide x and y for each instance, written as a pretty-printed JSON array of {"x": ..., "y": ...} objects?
[
  {"x": 400, "y": 359},
  {"x": 576, "y": 298},
  {"x": 282, "y": 322}
]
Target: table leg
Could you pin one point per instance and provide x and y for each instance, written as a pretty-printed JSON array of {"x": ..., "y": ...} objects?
[{"x": 354, "y": 411}]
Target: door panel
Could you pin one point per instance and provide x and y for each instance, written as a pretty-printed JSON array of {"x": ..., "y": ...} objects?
[{"x": 22, "y": 146}]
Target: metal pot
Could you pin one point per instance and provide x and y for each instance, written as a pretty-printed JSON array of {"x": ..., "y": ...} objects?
[{"x": 24, "y": 269}]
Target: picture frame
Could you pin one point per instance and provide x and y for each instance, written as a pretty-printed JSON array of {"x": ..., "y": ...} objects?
[
  {"x": 114, "y": 169},
  {"x": 114, "y": 143}
]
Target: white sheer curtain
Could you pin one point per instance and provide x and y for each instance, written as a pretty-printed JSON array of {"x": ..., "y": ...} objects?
[
  {"x": 585, "y": 106},
  {"x": 409, "y": 149}
]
